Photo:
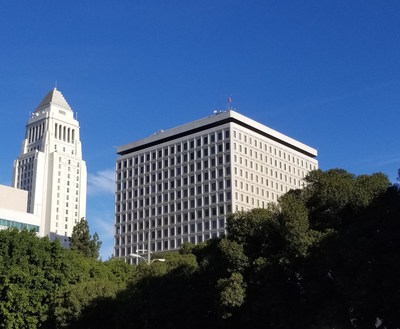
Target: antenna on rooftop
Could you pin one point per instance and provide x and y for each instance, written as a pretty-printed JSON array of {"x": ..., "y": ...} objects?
[
  {"x": 55, "y": 84},
  {"x": 228, "y": 102}
]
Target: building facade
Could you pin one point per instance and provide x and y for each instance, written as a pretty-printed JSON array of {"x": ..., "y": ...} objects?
[
  {"x": 181, "y": 184},
  {"x": 13, "y": 210},
  {"x": 51, "y": 169}
]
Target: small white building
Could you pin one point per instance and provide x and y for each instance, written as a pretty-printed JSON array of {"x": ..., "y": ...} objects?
[
  {"x": 13, "y": 210},
  {"x": 51, "y": 169},
  {"x": 181, "y": 184}
]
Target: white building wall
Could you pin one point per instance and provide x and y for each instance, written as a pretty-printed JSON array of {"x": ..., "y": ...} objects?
[
  {"x": 51, "y": 169},
  {"x": 179, "y": 190},
  {"x": 21, "y": 220},
  {"x": 13, "y": 206},
  {"x": 264, "y": 169},
  {"x": 181, "y": 184},
  {"x": 13, "y": 199}
]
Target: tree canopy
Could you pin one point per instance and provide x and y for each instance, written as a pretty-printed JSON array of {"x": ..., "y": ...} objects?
[
  {"x": 326, "y": 256},
  {"x": 43, "y": 285},
  {"x": 82, "y": 242}
]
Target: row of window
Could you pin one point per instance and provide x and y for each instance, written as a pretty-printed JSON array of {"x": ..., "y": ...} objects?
[
  {"x": 186, "y": 174},
  {"x": 259, "y": 166},
  {"x": 181, "y": 188},
  {"x": 18, "y": 225},
  {"x": 64, "y": 133},
  {"x": 185, "y": 214},
  {"x": 173, "y": 206},
  {"x": 295, "y": 160},
  {"x": 25, "y": 161},
  {"x": 63, "y": 149},
  {"x": 177, "y": 148},
  {"x": 188, "y": 177},
  {"x": 251, "y": 177},
  {"x": 36, "y": 132},
  {"x": 170, "y": 169},
  {"x": 170, "y": 218},
  {"x": 65, "y": 233},
  {"x": 37, "y": 147},
  {"x": 167, "y": 231},
  {"x": 68, "y": 161},
  {"x": 166, "y": 244},
  {"x": 273, "y": 150}
]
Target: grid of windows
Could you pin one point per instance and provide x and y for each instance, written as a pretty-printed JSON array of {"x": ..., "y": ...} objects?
[
  {"x": 180, "y": 186},
  {"x": 264, "y": 170},
  {"x": 68, "y": 184},
  {"x": 52, "y": 141},
  {"x": 67, "y": 198},
  {"x": 180, "y": 192}
]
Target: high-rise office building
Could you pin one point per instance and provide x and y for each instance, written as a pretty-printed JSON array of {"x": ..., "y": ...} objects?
[
  {"x": 181, "y": 184},
  {"x": 51, "y": 169}
]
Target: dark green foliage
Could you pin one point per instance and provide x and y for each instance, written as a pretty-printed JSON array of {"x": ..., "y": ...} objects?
[
  {"x": 44, "y": 285},
  {"x": 326, "y": 256},
  {"x": 29, "y": 272},
  {"x": 82, "y": 242}
]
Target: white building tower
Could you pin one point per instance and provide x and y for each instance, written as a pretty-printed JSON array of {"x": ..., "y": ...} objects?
[{"x": 51, "y": 169}]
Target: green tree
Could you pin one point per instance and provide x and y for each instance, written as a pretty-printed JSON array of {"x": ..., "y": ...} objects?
[
  {"x": 232, "y": 293},
  {"x": 350, "y": 275},
  {"x": 82, "y": 242},
  {"x": 326, "y": 256},
  {"x": 322, "y": 256},
  {"x": 43, "y": 285},
  {"x": 29, "y": 276}
]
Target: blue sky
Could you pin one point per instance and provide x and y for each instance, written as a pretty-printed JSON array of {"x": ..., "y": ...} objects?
[{"x": 324, "y": 72}]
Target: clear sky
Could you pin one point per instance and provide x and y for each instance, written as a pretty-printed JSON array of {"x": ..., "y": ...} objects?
[{"x": 324, "y": 72}]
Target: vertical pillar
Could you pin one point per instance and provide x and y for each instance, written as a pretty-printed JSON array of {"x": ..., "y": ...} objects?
[{"x": 148, "y": 247}]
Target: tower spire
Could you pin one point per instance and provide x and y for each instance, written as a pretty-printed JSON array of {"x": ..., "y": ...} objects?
[{"x": 52, "y": 143}]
